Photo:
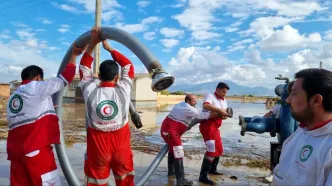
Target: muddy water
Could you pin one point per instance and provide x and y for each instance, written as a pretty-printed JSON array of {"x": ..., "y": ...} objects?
[{"x": 251, "y": 143}]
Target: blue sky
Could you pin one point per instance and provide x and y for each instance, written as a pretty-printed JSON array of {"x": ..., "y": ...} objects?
[{"x": 247, "y": 42}]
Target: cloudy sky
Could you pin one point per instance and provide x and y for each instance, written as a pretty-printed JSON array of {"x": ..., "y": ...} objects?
[{"x": 247, "y": 42}]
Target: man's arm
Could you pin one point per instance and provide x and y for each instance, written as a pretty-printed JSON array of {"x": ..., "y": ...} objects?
[
  {"x": 87, "y": 59},
  {"x": 274, "y": 110},
  {"x": 268, "y": 114},
  {"x": 211, "y": 108},
  {"x": 193, "y": 122},
  {"x": 127, "y": 68},
  {"x": 86, "y": 75},
  {"x": 55, "y": 84},
  {"x": 207, "y": 105},
  {"x": 121, "y": 59},
  {"x": 199, "y": 116}
]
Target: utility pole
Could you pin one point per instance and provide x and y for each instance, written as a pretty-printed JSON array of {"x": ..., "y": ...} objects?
[
  {"x": 97, "y": 49},
  {"x": 320, "y": 65}
]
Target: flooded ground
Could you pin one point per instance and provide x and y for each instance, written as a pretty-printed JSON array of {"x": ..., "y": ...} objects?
[
  {"x": 251, "y": 143},
  {"x": 246, "y": 159}
]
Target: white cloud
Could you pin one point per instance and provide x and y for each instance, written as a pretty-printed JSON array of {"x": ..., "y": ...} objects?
[
  {"x": 306, "y": 58},
  {"x": 11, "y": 64},
  {"x": 179, "y": 4},
  {"x": 47, "y": 21},
  {"x": 44, "y": 20},
  {"x": 20, "y": 24},
  {"x": 24, "y": 34},
  {"x": 44, "y": 45},
  {"x": 233, "y": 27},
  {"x": 288, "y": 39},
  {"x": 5, "y": 36},
  {"x": 328, "y": 35},
  {"x": 139, "y": 27},
  {"x": 53, "y": 48},
  {"x": 66, "y": 7},
  {"x": 66, "y": 43},
  {"x": 40, "y": 30},
  {"x": 289, "y": 8},
  {"x": 152, "y": 19},
  {"x": 143, "y": 4},
  {"x": 15, "y": 69},
  {"x": 213, "y": 66},
  {"x": 32, "y": 43},
  {"x": 169, "y": 43},
  {"x": 88, "y": 7},
  {"x": 239, "y": 45},
  {"x": 192, "y": 19},
  {"x": 149, "y": 35},
  {"x": 327, "y": 52},
  {"x": 27, "y": 38},
  {"x": 64, "y": 28},
  {"x": 131, "y": 28},
  {"x": 293, "y": 9},
  {"x": 198, "y": 17},
  {"x": 111, "y": 14},
  {"x": 204, "y": 35},
  {"x": 236, "y": 48},
  {"x": 171, "y": 32},
  {"x": 263, "y": 27}
]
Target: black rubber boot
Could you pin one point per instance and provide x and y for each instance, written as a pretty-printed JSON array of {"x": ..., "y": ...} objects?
[
  {"x": 203, "y": 175},
  {"x": 214, "y": 165},
  {"x": 171, "y": 165},
  {"x": 179, "y": 174}
]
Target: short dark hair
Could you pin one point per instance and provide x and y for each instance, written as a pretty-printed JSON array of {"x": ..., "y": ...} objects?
[
  {"x": 30, "y": 72},
  {"x": 317, "y": 81},
  {"x": 108, "y": 69},
  {"x": 222, "y": 85},
  {"x": 187, "y": 98}
]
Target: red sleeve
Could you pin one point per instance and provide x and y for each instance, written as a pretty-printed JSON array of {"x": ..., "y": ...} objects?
[
  {"x": 69, "y": 72},
  {"x": 85, "y": 61},
  {"x": 206, "y": 103},
  {"x": 123, "y": 61}
]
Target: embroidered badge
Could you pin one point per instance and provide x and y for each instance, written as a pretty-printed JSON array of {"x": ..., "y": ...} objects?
[
  {"x": 306, "y": 153},
  {"x": 16, "y": 104},
  {"x": 107, "y": 110}
]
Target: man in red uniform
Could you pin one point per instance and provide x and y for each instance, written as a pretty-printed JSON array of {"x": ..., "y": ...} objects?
[
  {"x": 173, "y": 127},
  {"x": 33, "y": 125},
  {"x": 210, "y": 131},
  {"x": 107, "y": 107}
]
